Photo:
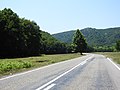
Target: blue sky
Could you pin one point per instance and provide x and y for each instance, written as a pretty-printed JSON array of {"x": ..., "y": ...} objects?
[{"x": 56, "y": 16}]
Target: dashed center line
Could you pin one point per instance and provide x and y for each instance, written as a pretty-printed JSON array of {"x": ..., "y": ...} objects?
[
  {"x": 45, "y": 85},
  {"x": 82, "y": 63},
  {"x": 50, "y": 86}
]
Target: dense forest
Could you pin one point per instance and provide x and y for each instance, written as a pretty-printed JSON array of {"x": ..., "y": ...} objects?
[
  {"x": 20, "y": 37},
  {"x": 66, "y": 37},
  {"x": 51, "y": 45}
]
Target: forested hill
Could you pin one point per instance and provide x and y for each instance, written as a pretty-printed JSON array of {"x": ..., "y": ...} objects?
[
  {"x": 94, "y": 37},
  {"x": 65, "y": 36}
]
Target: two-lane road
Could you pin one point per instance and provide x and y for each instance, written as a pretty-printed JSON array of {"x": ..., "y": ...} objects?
[{"x": 90, "y": 72}]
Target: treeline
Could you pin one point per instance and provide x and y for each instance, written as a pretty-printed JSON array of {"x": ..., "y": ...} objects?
[
  {"x": 102, "y": 48},
  {"x": 50, "y": 45},
  {"x": 20, "y": 37}
]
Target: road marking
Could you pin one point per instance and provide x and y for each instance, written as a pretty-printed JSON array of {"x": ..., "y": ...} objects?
[
  {"x": 49, "y": 87},
  {"x": 113, "y": 63},
  {"x": 43, "y": 86},
  {"x": 25, "y": 72},
  {"x": 82, "y": 63},
  {"x": 4, "y": 78}
]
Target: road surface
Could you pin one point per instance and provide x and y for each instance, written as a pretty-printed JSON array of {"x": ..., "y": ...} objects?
[{"x": 90, "y": 72}]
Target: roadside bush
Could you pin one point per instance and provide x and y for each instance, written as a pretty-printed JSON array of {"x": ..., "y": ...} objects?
[{"x": 6, "y": 66}]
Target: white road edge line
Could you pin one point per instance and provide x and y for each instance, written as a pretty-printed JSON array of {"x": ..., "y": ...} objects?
[
  {"x": 50, "y": 86},
  {"x": 43, "y": 86},
  {"x": 4, "y": 78},
  {"x": 113, "y": 63}
]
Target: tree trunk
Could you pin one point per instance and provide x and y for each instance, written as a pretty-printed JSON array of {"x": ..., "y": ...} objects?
[{"x": 81, "y": 53}]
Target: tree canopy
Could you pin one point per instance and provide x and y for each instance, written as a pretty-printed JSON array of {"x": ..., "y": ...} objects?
[
  {"x": 18, "y": 36},
  {"x": 79, "y": 41},
  {"x": 52, "y": 45}
]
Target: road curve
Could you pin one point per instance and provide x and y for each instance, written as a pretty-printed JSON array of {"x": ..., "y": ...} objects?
[{"x": 90, "y": 72}]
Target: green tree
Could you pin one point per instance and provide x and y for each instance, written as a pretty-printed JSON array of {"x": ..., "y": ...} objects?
[
  {"x": 118, "y": 45},
  {"x": 52, "y": 45},
  {"x": 9, "y": 27},
  {"x": 79, "y": 41},
  {"x": 18, "y": 37},
  {"x": 31, "y": 37},
  {"x": 70, "y": 48}
]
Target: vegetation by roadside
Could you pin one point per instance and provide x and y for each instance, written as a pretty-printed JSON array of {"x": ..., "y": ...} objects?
[
  {"x": 114, "y": 55},
  {"x": 10, "y": 66}
]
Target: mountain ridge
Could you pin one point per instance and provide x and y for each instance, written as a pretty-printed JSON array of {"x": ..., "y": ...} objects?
[{"x": 94, "y": 37}]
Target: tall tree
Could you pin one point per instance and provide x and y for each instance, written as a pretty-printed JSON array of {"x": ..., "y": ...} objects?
[
  {"x": 18, "y": 37},
  {"x": 9, "y": 26},
  {"x": 79, "y": 41}
]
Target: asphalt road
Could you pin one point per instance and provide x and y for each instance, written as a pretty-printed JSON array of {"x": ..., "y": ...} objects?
[{"x": 90, "y": 72}]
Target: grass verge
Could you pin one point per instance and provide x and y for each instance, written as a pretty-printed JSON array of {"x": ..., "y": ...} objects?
[
  {"x": 114, "y": 55},
  {"x": 11, "y": 66}
]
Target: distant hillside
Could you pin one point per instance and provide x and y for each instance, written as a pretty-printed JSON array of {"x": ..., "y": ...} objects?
[
  {"x": 46, "y": 37},
  {"x": 94, "y": 37},
  {"x": 65, "y": 36}
]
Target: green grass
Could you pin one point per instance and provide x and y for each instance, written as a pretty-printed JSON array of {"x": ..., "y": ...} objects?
[
  {"x": 114, "y": 55},
  {"x": 10, "y": 66}
]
